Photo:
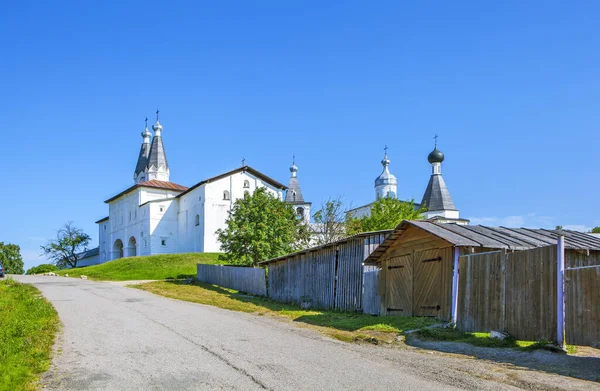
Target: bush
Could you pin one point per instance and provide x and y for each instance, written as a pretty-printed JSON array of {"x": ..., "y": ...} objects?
[{"x": 43, "y": 268}]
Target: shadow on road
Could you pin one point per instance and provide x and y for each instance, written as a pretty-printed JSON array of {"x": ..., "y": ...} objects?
[{"x": 580, "y": 367}]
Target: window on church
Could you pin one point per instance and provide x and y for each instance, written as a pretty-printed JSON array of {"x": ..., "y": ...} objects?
[
  {"x": 246, "y": 184},
  {"x": 226, "y": 195},
  {"x": 197, "y": 220},
  {"x": 300, "y": 212},
  {"x": 162, "y": 209},
  {"x": 105, "y": 227},
  {"x": 246, "y": 193},
  {"x": 163, "y": 242},
  {"x": 130, "y": 216}
]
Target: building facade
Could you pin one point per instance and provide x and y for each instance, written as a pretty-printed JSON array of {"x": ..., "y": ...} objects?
[{"x": 157, "y": 216}]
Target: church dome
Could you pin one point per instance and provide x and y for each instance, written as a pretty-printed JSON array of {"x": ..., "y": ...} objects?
[
  {"x": 386, "y": 177},
  {"x": 157, "y": 126},
  {"x": 436, "y": 156},
  {"x": 293, "y": 168}
]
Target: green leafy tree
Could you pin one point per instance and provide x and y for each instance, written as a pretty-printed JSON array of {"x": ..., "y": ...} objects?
[
  {"x": 558, "y": 227},
  {"x": 43, "y": 268},
  {"x": 596, "y": 230},
  {"x": 10, "y": 258},
  {"x": 69, "y": 242},
  {"x": 261, "y": 226},
  {"x": 386, "y": 213},
  {"x": 329, "y": 223}
]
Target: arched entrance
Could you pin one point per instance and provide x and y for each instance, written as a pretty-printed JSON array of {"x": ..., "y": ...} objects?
[
  {"x": 117, "y": 249},
  {"x": 131, "y": 247}
]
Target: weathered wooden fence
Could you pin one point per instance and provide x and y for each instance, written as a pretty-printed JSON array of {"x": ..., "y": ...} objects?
[
  {"x": 326, "y": 277},
  {"x": 243, "y": 279},
  {"x": 582, "y": 309},
  {"x": 512, "y": 292},
  {"x": 517, "y": 293},
  {"x": 371, "y": 300}
]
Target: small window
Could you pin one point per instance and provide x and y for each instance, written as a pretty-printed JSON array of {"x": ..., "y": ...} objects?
[
  {"x": 163, "y": 242},
  {"x": 130, "y": 216},
  {"x": 105, "y": 227},
  {"x": 300, "y": 212},
  {"x": 246, "y": 193},
  {"x": 142, "y": 234},
  {"x": 226, "y": 195},
  {"x": 197, "y": 220},
  {"x": 145, "y": 242},
  {"x": 162, "y": 209},
  {"x": 246, "y": 184},
  {"x": 200, "y": 198}
]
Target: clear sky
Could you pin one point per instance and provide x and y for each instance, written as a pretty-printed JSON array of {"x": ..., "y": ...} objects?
[{"x": 512, "y": 90}]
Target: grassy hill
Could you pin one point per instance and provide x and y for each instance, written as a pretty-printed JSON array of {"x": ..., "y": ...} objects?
[{"x": 154, "y": 267}]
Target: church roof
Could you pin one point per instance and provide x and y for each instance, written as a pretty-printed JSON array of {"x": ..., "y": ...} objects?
[
  {"x": 157, "y": 156},
  {"x": 294, "y": 194},
  {"x": 142, "y": 162},
  {"x": 152, "y": 184},
  {"x": 437, "y": 197},
  {"x": 102, "y": 220},
  {"x": 248, "y": 169}
]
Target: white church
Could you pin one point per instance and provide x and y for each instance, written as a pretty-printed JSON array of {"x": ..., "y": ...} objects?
[{"x": 157, "y": 216}]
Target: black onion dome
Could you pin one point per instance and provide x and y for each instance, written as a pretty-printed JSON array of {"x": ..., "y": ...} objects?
[{"x": 436, "y": 156}]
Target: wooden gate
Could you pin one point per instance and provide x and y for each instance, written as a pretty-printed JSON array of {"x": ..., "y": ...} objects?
[
  {"x": 582, "y": 305},
  {"x": 427, "y": 282},
  {"x": 400, "y": 282}
]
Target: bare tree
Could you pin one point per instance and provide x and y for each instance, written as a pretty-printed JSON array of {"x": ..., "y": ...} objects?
[
  {"x": 329, "y": 222},
  {"x": 69, "y": 241}
]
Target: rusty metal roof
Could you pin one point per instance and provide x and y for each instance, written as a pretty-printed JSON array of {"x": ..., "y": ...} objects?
[
  {"x": 490, "y": 237},
  {"x": 153, "y": 184}
]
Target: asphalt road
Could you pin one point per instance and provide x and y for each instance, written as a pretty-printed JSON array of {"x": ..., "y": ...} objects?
[{"x": 118, "y": 338}]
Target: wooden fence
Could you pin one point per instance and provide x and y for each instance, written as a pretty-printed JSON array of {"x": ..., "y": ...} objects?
[
  {"x": 582, "y": 309},
  {"x": 371, "y": 300},
  {"x": 327, "y": 277},
  {"x": 517, "y": 293},
  {"x": 243, "y": 279},
  {"x": 514, "y": 292}
]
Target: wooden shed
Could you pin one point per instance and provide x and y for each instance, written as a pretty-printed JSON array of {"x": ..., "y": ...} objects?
[
  {"x": 324, "y": 277},
  {"x": 419, "y": 261}
]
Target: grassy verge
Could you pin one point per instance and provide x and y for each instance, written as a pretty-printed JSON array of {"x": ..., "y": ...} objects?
[
  {"x": 154, "y": 267},
  {"x": 343, "y": 326},
  {"x": 28, "y": 324},
  {"x": 484, "y": 340}
]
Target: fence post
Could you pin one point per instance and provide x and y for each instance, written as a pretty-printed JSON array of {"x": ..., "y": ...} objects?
[
  {"x": 560, "y": 289},
  {"x": 455, "y": 287}
]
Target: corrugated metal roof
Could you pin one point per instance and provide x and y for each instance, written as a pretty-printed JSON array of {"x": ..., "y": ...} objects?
[
  {"x": 361, "y": 235},
  {"x": 491, "y": 237}
]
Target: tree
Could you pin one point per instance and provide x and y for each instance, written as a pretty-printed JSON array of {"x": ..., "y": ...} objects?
[
  {"x": 596, "y": 230},
  {"x": 558, "y": 227},
  {"x": 260, "y": 226},
  {"x": 10, "y": 258},
  {"x": 386, "y": 213},
  {"x": 43, "y": 268},
  {"x": 69, "y": 242},
  {"x": 329, "y": 223}
]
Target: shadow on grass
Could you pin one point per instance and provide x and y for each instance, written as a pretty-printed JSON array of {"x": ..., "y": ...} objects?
[
  {"x": 534, "y": 357},
  {"x": 345, "y": 321}
]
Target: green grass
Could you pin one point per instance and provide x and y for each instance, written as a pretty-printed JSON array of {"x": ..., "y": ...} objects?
[
  {"x": 154, "y": 267},
  {"x": 28, "y": 324},
  {"x": 484, "y": 340},
  {"x": 340, "y": 325}
]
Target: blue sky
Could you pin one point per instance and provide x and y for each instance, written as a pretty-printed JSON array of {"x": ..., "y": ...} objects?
[{"x": 512, "y": 90}]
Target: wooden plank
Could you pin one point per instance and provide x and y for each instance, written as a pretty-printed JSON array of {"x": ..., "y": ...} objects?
[{"x": 582, "y": 306}]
